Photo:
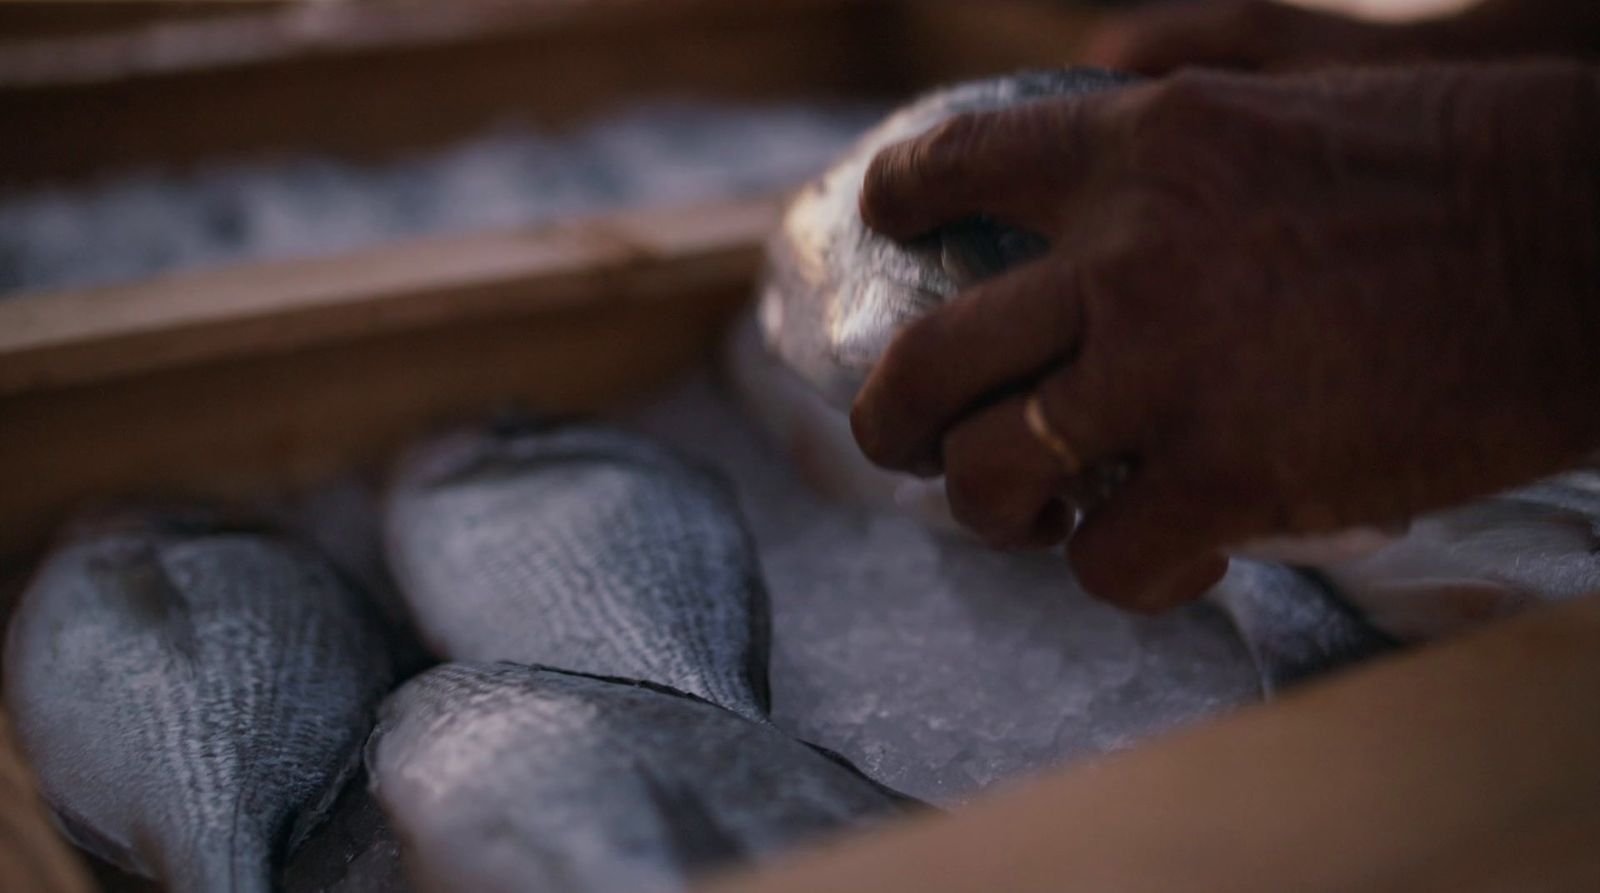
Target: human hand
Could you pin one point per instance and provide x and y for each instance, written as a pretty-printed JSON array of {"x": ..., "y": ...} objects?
[{"x": 1289, "y": 305}]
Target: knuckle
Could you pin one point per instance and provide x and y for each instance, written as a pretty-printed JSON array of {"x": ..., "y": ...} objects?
[{"x": 1171, "y": 114}]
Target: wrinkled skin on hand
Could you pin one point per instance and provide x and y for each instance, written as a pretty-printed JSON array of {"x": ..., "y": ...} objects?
[
  {"x": 1260, "y": 35},
  {"x": 1292, "y": 305}
]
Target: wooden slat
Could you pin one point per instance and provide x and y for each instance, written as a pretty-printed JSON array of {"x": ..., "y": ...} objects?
[
  {"x": 230, "y": 382},
  {"x": 187, "y": 40},
  {"x": 52, "y": 339},
  {"x": 371, "y": 81},
  {"x": 227, "y": 383},
  {"x": 57, "y": 18},
  {"x": 1468, "y": 767}
]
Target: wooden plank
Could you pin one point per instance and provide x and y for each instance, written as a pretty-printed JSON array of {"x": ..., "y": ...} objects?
[
  {"x": 1465, "y": 767},
  {"x": 55, "y": 18},
  {"x": 33, "y": 857},
  {"x": 370, "y": 81},
  {"x": 53, "y": 339},
  {"x": 169, "y": 39},
  {"x": 298, "y": 377}
]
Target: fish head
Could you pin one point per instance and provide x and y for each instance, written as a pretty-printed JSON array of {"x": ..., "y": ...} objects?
[{"x": 835, "y": 293}]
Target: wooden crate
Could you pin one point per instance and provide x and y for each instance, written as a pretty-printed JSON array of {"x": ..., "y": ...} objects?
[
  {"x": 230, "y": 381},
  {"x": 279, "y": 366}
]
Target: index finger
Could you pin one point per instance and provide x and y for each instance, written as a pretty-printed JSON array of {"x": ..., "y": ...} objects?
[
  {"x": 1005, "y": 330},
  {"x": 1016, "y": 165}
]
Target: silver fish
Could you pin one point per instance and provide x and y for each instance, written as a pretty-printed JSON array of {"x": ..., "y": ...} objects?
[
  {"x": 834, "y": 294},
  {"x": 1451, "y": 570},
  {"x": 502, "y": 777},
  {"x": 191, "y": 697},
  {"x": 1477, "y": 562},
  {"x": 582, "y": 548}
]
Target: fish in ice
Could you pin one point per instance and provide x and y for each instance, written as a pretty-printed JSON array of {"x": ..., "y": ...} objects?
[
  {"x": 834, "y": 294},
  {"x": 191, "y": 696},
  {"x": 503, "y": 777},
  {"x": 585, "y": 548}
]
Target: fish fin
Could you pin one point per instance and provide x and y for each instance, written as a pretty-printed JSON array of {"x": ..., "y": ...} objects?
[
  {"x": 697, "y": 840},
  {"x": 102, "y": 846},
  {"x": 1293, "y": 625}
]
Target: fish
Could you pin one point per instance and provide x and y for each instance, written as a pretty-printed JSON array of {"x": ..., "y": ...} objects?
[
  {"x": 506, "y": 777},
  {"x": 833, "y": 294},
  {"x": 191, "y": 695},
  {"x": 1481, "y": 561},
  {"x": 1294, "y": 624},
  {"x": 582, "y": 547}
]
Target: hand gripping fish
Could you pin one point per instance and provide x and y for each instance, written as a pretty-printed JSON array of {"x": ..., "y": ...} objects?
[{"x": 835, "y": 293}]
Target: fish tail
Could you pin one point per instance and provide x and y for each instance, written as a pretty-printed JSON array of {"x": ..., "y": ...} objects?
[{"x": 217, "y": 868}]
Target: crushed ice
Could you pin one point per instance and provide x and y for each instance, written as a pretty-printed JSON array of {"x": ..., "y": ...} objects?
[{"x": 143, "y": 223}]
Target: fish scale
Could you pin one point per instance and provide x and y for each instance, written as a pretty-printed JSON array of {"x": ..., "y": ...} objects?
[
  {"x": 503, "y": 777},
  {"x": 584, "y": 548},
  {"x": 190, "y": 698}
]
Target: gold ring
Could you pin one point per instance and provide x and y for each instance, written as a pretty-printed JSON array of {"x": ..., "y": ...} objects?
[{"x": 1039, "y": 426}]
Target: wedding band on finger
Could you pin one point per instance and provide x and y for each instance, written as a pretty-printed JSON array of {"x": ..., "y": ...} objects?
[{"x": 1049, "y": 437}]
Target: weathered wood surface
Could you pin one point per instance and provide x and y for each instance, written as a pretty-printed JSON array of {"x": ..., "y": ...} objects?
[
  {"x": 373, "y": 80},
  {"x": 1466, "y": 767},
  {"x": 54, "y": 18},
  {"x": 53, "y": 339},
  {"x": 223, "y": 383},
  {"x": 368, "y": 81}
]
